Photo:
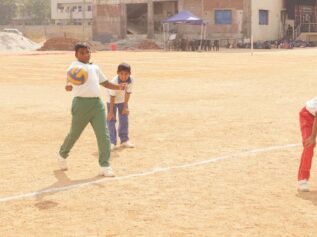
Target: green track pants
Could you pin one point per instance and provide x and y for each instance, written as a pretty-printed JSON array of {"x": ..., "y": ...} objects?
[{"x": 84, "y": 111}]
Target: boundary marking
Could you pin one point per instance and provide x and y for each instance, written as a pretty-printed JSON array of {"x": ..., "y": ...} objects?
[{"x": 149, "y": 172}]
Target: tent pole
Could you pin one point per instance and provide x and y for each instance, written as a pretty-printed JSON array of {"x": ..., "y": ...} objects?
[
  {"x": 201, "y": 36},
  {"x": 251, "y": 33},
  {"x": 205, "y": 37},
  {"x": 168, "y": 32},
  {"x": 164, "y": 36}
]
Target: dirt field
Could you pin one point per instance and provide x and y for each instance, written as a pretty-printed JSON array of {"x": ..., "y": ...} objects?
[{"x": 186, "y": 108}]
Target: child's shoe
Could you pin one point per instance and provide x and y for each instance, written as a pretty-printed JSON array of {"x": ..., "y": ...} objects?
[
  {"x": 127, "y": 144},
  {"x": 106, "y": 171},
  {"x": 303, "y": 186},
  {"x": 62, "y": 163}
]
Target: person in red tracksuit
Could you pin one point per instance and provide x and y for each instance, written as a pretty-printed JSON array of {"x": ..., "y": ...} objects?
[{"x": 308, "y": 125}]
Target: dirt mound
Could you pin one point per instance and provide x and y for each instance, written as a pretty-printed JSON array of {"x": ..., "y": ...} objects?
[
  {"x": 68, "y": 44},
  {"x": 60, "y": 44},
  {"x": 15, "y": 42},
  {"x": 147, "y": 44}
]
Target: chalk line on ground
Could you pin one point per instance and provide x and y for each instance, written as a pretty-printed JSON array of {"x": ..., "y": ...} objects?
[{"x": 147, "y": 173}]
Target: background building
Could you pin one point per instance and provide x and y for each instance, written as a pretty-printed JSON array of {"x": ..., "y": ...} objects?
[
  {"x": 116, "y": 19},
  {"x": 74, "y": 12},
  {"x": 302, "y": 16},
  {"x": 226, "y": 19},
  {"x": 268, "y": 19}
]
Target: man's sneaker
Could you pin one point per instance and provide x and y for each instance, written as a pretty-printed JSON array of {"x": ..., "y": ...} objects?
[
  {"x": 303, "y": 186},
  {"x": 112, "y": 146},
  {"x": 62, "y": 163},
  {"x": 127, "y": 144},
  {"x": 106, "y": 171}
]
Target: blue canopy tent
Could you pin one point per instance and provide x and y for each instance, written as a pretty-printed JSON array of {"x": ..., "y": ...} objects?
[{"x": 184, "y": 17}]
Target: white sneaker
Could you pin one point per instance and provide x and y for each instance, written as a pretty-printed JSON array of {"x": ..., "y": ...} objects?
[
  {"x": 112, "y": 147},
  {"x": 127, "y": 144},
  {"x": 303, "y": 186},
  {"x": 107, "y": 172},
  {"x": 62, "y": 163}
]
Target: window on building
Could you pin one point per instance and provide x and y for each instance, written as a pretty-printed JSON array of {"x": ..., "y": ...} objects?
[
  {"x": 89, "y": 8},
  {"x": 79, "y": 8},
  {"x": 223, "y": 17},
  {"x": 263, "y": 17}
]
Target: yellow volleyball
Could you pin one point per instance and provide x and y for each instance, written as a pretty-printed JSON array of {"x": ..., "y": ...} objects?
[{"x": 77, "y": 75}]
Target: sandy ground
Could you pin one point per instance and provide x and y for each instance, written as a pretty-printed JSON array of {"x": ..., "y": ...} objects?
[{"x": 186, "y": 107}]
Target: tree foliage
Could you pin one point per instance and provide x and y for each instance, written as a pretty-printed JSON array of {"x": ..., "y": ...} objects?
[
  {"x": 7, "y": 11},
  {"x": 38, "y": 11}
]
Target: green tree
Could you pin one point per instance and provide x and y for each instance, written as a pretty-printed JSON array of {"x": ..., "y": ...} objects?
[
  {"x": 39, "y": 11},
  {"x": 7, "y": 11}
]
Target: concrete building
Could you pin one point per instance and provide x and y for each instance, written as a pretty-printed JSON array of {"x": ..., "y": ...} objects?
[
  {"x": 232, "y": 19},
  {"x": 302, "y": 16},
  {"x": 268, "y": 19},
  {"x": 227, "y": 19},
  {"x": 301, "y": 11},
  {"x": 117, "y": 18},
  {"x": 74, "y": 12}
]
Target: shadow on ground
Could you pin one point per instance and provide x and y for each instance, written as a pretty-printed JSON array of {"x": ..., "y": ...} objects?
[
  {"x": 63, "y": 181},
  {"x": 309, "y": 196}
]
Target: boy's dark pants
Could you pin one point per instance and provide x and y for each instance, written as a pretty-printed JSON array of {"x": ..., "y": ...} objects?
[{"x": 84, "y": 111}]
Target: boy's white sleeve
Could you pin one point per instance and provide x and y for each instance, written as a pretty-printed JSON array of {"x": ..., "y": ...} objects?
[
  {"x": 102, "y": 77},
  {"x": 69, "y": 68},
  {"x": 113, "y": 92},
  {"x": 130, "y": 86}
]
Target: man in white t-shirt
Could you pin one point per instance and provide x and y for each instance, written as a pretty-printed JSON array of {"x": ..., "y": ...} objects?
[
  {"x": 117, "y": 101},
  {"x": 308, "y": 124},
  {"x": 84, "y": 79}
]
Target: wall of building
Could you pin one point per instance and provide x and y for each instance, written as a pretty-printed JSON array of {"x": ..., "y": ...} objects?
[
  {"x": 107, "y": 22},
  {"x": 274, "y": 29},
  {"x": 40, "y": 33},
  {"x": 163, "y": 10},
  {"x": 241, "y": 18},
  {"x": 206, "y": 10},
  {"x": 234, "y": 30},
  {"x": 110, "y": 22},
  {"x": 194, "y": 6},
  {"x": 189, "y": 31},
  {"x": 110, "y": 17}
]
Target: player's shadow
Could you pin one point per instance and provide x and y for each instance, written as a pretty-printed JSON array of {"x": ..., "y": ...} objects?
[
  {"x": 63, "y": 183},
  {"x": 309, "y": 196}
]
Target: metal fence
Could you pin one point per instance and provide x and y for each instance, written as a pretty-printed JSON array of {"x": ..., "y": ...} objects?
[{"x": 304, "y": 28}]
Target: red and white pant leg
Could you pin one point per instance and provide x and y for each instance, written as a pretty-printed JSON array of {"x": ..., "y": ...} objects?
[{"x": 306, "y": 120}]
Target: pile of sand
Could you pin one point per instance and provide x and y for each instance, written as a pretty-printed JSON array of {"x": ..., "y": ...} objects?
[
  {"x": 62, "y": 44},
  {"x": 15, "y": 42},
  {"x": 59, "y": 44},
  {"x": 68, "y": 44}
]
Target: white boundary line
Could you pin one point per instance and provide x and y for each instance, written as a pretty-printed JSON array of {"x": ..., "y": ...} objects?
[{"x": 147, "y": 173}]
